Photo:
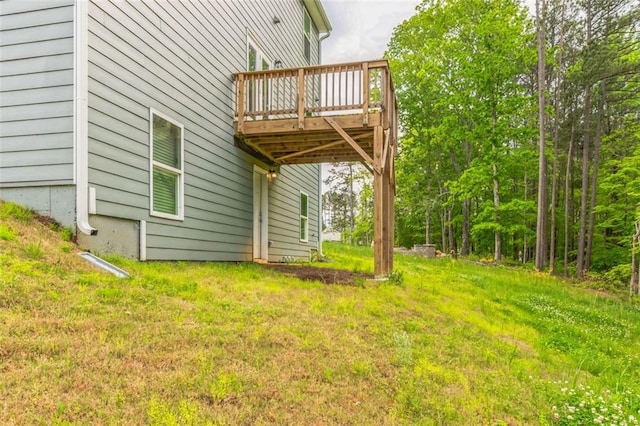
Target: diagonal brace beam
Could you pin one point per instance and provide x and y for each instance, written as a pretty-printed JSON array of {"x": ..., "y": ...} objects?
[
  {"x": 307, "y": 151},
  {"x": 353, "y": 144}
]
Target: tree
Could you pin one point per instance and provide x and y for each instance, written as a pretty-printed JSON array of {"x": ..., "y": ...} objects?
[
  {"x": 458, "y": 67},
  {"x": 541, "y": 240},
  {"x": 342, "y": 205}
]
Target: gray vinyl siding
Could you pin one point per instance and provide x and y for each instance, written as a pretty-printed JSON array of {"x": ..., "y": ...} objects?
[
  {"x": 284, "y": 212},
  {"x": 178, "y": 58},
  {"x": 36, "y": 88}
]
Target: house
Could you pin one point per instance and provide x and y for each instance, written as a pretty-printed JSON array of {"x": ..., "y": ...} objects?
[{"x": 150, "y": 126}]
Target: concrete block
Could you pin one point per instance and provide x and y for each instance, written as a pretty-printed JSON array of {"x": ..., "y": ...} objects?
[{"x": 115, "y": 235}]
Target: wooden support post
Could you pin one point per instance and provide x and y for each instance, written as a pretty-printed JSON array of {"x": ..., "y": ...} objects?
[
  {"x": 389, "y": 183},
  {"x": 301, "y": 98},
  {"x": 378, "y": 204}
]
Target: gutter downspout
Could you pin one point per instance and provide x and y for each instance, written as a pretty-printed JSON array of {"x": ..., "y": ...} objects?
[
  {"x": 320, "y": 254},
  {"x": 81, "y": 116}
]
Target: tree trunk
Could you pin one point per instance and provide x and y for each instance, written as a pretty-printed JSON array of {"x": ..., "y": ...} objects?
[
  {"x": 556, "y": 135},
  {"x": 452, "y": 240},
  {"x": 428, "y": 223},
  {"x": 497, "y": 254},
  {"x": 466, "y": 207},
  {"x": 525, "y": 255},
  {"x": 443, "y": 218},
  {"x": 567, "y": 202},
  {"x": 466, "y": 226},
  {"x": 541, "y": 233},
  {"x": 496, "y": 204},
  {"x": 594, "y": 176},
  {"x": 635, "y": 262},
  {"x": 352, "y": 207},
  {"x": 585, "y": 160}
]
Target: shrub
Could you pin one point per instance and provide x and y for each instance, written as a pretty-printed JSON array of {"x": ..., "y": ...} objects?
[{"x": 618, "y": 276}]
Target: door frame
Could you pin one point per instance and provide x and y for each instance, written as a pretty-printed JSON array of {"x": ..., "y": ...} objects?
[{"x": 260, "y": 215}]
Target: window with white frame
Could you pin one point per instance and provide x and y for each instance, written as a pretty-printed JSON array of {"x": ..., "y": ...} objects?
[
  {"x": 304, "y": 218},
  {"x": 167, "y": 167},
  {"x": 307, "y": 36}
]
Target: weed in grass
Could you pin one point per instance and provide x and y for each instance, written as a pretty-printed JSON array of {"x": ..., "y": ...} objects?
[
  {"x": 404, "y": 350},
  {"x": 12, "y": 210},
  {"x": 361, "y": 368},
  {"x": 66, "y": 234},
  {"x": 329, "y": 375},
  {"x": 225, "y": 385},
  {"x": 161, "y": 414},
  {"x": 396, "y": 278},
  {"x": 7, "y": 233},
  {"x": 583, "y": 405},
  {"x": 33, "y": 251}
]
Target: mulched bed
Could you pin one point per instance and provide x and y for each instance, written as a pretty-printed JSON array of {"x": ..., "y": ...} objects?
[{"x": 324, "y": 275}]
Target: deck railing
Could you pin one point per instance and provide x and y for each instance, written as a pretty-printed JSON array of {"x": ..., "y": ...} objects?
[{"x": 352, "y": 88}]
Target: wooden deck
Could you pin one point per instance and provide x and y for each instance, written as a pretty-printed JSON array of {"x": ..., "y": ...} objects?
[{"x": 328, "y": 113}]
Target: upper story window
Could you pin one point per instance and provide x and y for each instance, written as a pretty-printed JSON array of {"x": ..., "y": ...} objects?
[
  {"x": 308, "y": 26},
  {"x": 167, "y": 167}
]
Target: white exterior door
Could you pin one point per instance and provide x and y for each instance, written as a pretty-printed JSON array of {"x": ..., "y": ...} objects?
[
  {"x": 260, "y": 215},
  {"x": 257, "y": 90}
]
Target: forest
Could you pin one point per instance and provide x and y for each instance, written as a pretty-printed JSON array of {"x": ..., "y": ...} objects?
[{"x": 520, "y": 136}]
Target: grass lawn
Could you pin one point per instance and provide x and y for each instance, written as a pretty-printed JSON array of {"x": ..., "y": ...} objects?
[{"x": 443, "y": 342}]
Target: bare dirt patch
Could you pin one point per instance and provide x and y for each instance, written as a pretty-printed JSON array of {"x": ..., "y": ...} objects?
[{"x": 324, "y": 275}]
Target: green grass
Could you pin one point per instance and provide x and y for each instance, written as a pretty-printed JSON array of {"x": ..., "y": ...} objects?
[{"x": 445, "y": 342}]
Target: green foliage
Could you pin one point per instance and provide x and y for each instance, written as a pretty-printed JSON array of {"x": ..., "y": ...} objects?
[
  {"x": 225, "y": 385},
  {"x": 187, "y": 414},
  {"x": 15, "y": 211},
  {"x": 66, "y": 234},
  {"x": 458, "y": 64},
  {"x": 7, "y": 233},
  {"x": 582, "y": 405},
  {"x": 396, "y": 278},
  {"x": 608, "y": 258},
  {"x": 618, "y": 276},
  {"x": 465, "y": 77},
  {"x": 33, "y": 250}
]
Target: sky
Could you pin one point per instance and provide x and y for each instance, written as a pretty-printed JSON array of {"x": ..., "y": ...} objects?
[
  {"x": 361, "y": 31},
  {"x": 362, "y": 28}
]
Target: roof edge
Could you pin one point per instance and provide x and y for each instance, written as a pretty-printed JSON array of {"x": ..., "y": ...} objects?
[{"x": 318, "y": 15}]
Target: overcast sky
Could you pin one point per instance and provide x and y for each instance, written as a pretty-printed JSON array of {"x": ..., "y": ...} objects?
[
  {"x": 362, "y": 28},
  {"x": 361, "y": 31}
]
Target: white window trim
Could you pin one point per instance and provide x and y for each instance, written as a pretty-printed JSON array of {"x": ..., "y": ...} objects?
[
  {"x": 179, "y": 172},
  {"x": 306, "y": 231},
  {"x": 304, "y": 32}
]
